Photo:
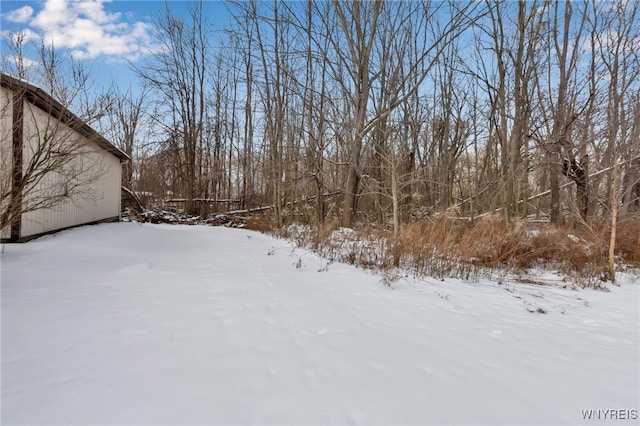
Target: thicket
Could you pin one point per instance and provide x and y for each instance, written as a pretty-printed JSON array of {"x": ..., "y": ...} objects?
[{"x": 485, "y": 247}]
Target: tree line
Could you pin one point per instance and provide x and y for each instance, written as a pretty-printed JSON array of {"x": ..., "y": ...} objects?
[{"x": 385, "y": 112}]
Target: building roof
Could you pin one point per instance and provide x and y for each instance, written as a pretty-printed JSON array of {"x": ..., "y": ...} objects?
[{"x": 48, "y": 104}]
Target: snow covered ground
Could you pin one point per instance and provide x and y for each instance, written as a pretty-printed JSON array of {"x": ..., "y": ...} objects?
[{"x": 157, "y": 324}]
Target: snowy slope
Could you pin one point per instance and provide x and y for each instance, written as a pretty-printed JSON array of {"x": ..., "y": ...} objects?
[{"x": 157, "y": 324}]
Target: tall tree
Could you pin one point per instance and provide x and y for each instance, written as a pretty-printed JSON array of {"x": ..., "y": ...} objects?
[
  {"x": 127, "y": 115},
  {"x": 177, "y": 74}
]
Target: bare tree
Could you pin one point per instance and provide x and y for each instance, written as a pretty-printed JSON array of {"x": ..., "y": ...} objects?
[
  {"x": 177, "y": 74},
  {"x": 564, "y": 109},
  {"x": 380, "y": 102},
  {"x": 362, "y": 26},
  {"x": 15, "y": 62},
  {"x": 128, "y": 113},
  {"x": 49, "y": 152}
]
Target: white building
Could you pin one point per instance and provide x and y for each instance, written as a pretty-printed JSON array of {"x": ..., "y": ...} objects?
[{"x": 57, "y": 172}]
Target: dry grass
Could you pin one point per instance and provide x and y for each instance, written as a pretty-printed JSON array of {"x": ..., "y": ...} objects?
[
  {"x": 628, "y": 241},
  {"x": 468, "y": 250},
  {"x": 260, "y": 224}
]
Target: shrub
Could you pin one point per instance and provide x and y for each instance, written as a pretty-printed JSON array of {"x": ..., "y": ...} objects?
[
  {"x": 468, "y": 249},
  {"x": 628, "y": 241},
  {"x": 260, "y": 224}
]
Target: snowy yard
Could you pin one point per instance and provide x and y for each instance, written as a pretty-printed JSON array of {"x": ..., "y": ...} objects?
[{"x": 156, "y": 324}]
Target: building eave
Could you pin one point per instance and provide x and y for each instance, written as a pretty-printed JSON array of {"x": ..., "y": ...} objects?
[{"x": 42, "y": 100}]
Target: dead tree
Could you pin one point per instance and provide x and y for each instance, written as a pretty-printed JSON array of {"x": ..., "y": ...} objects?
[{"x": 577, "y": 171}]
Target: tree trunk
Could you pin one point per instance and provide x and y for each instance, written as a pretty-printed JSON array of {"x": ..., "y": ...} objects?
[{"x": 614, "y": 222}]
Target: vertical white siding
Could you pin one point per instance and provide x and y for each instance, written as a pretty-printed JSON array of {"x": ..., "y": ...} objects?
[{"x": 100, "y": 172}]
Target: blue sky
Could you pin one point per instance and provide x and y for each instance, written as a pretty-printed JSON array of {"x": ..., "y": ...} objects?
[{"x": 104, "y": 34}]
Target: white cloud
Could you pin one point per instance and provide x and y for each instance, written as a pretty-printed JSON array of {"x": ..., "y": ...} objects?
[
  {"x": 55, "y": 13},
  {"x": 94, "y": 11},
  {"x": 89, "y": 31},
  {"x": 20, "y": 15}
]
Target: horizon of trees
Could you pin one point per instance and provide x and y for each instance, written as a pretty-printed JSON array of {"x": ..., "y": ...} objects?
[{"x": 382, "y": 112}]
